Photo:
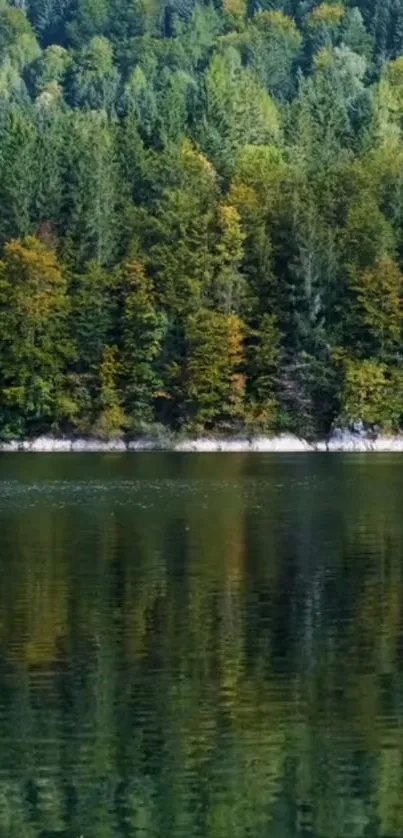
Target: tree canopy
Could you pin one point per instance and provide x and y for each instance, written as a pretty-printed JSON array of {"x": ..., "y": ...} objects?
[{"x": 218, "y": 188}]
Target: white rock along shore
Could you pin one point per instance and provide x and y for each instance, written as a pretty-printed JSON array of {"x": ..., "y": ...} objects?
[{"x": 338, "y": 441}]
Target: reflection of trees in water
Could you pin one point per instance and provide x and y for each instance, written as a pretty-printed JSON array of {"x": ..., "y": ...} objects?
[{"x": 230, "y": 670}]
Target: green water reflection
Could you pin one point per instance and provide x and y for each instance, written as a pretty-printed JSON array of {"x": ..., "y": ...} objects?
[{"x": 201, "y": 646}]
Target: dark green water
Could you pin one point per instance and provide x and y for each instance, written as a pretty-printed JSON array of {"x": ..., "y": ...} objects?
[{"x": 201, "y": 646}]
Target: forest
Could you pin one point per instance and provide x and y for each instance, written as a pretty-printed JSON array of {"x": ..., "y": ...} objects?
[{"x": 201, "y": 216}]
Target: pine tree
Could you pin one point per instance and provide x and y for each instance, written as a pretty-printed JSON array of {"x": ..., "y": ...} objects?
[
  {"x": 93, "y": 324},
  {"x": 143, "y": 329},
  {"x": 17, "y": 172},
  {"x": 91, "y": 187}
]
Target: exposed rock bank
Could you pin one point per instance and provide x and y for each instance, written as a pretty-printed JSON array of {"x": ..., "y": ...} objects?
[
  {"x": 339, "y": 440},
  {"x": 284, "y": 442},
  {"x": 360, "y": 440}
]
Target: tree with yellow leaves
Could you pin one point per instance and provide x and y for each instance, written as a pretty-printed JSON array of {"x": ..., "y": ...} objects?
[
  {"x": 214, "y": 376},
  {"x": 34, "y": 345}
]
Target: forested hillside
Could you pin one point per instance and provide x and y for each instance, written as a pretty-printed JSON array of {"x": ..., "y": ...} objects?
[{"x": 201, "y": 215}]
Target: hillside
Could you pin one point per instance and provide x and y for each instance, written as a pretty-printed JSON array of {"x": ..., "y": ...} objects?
[{"x": 201, "y": 216}]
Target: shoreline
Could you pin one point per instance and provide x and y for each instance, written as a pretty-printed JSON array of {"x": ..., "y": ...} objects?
[{"x": 339, "y": 441}]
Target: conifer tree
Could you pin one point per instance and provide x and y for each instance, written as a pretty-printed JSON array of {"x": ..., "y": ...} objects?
[{"x": 143, "y": 330}]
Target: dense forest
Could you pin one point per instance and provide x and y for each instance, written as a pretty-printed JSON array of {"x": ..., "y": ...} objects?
[{"x": 201, "y": 216}]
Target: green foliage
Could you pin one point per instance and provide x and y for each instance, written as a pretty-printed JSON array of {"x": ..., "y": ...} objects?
[
  {"x": 263, "y": 367},
  {"x": 237, "y": 110},
  {"x": 143, "y": 330},
  {"x": 323, "y": 26},
  {"x": 196, "y": 169},
  {"x": 372, "y": 393},
  {"x": 17, "y": 172},
  {"x": 90, "y": 186},
  {"x": 214, "y": 381},
  {"x": 50, "y": 68},
  {"x": 34, "y": 345},
  {"x": 95, "y": 79},
  {"x": 17, "y": 38},
  {"x": 378, "y": 302},
  {"x": 89, "y": 18},
  {"x": 92, "y": 324},
  {"x": 111, "y": 419},
  {"x": 272, "y": 47}
]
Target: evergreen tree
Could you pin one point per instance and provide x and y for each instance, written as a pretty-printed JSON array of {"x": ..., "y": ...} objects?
[
  {"x": 143, "y": 330},
  {"x": 17, "y": 171},
  {"x": 272, "y": 47},
  {"x": 93, "y": 321},
  {"x": 192, "y": 169},
  {"x": 91, "y": 187}
]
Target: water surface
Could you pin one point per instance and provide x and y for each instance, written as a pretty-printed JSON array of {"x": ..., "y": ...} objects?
[{"x": 201, "y": 646}]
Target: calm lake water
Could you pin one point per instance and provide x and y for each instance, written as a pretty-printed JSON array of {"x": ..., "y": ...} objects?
[{"x": 201, "y": 646}]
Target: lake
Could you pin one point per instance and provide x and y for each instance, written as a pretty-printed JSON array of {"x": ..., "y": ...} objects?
[{"x": 201, "y": 646}]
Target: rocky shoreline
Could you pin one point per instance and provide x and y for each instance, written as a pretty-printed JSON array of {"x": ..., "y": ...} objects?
[{"x": 338, "y": 441}]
